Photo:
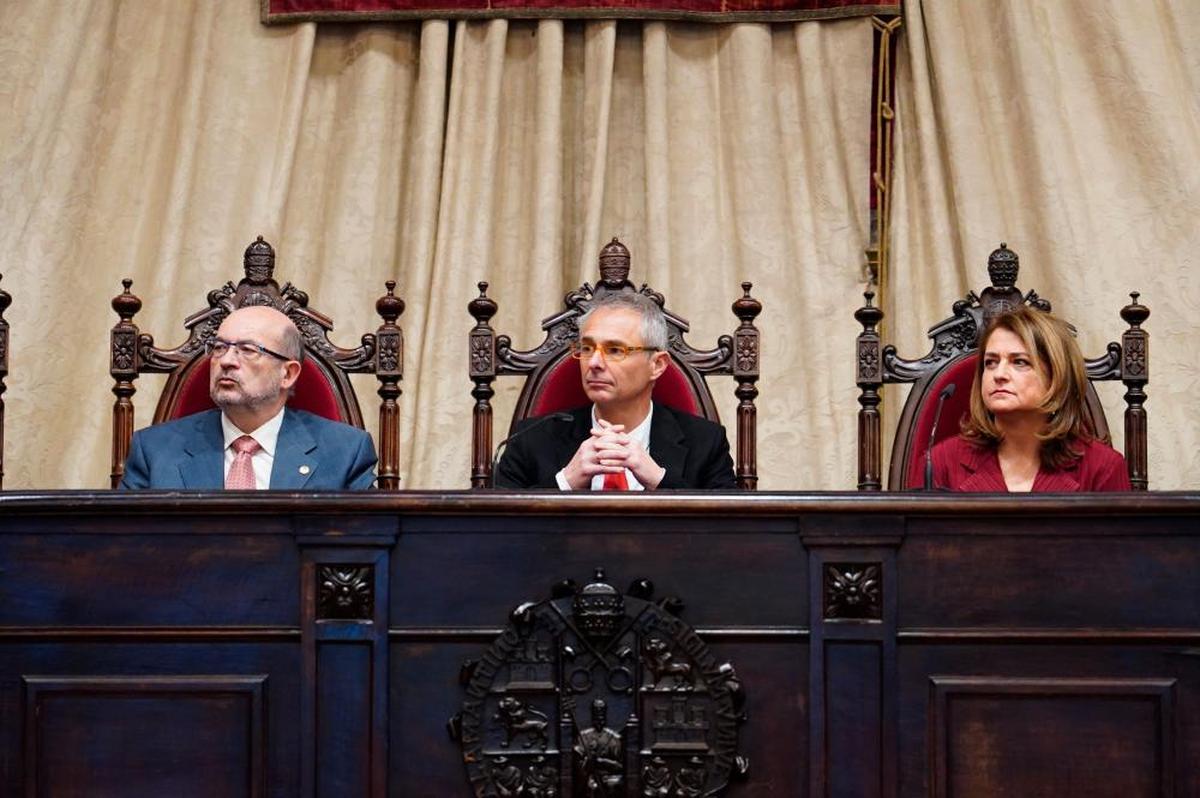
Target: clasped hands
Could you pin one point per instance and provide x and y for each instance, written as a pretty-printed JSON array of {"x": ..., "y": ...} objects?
[{"x": 609, "y": 450}]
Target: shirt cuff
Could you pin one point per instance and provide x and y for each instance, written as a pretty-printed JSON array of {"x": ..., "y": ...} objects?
[{"x": 561, "y": 479}]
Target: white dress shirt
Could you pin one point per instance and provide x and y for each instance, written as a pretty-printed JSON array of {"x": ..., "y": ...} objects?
[
  {"x": 264, "y": 459},
  {"x": 639, "y": 434}
]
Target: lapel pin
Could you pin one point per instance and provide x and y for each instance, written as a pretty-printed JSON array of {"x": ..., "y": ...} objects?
[{"x": 304, "y": 470}]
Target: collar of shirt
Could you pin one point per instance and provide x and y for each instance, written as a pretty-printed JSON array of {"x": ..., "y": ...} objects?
[
  {"x": 640, "y": 434},
  {"x": 267, "y": 436}
]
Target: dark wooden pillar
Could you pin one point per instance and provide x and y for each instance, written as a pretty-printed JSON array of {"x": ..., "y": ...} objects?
[
  {"x": 344, "y": 623},
  {"x": 852, "y": 665}
]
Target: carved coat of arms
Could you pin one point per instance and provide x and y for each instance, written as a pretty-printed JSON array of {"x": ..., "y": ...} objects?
[{"x": 598, "y": 694}]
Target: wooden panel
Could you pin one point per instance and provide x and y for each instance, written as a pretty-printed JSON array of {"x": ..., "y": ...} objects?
[
  {"x": 150, "y": 656},
  {"x": 246, "y": 579},
  {"x": 144, "y": 736},
  {"x": 853, "y": 701},
  {"x": 1080, "y": 574},
  {"x": 1041, "y": 659},
  {"x": 1053, "y": 738},
  {"x": 343, "y": 719},
  {"x": 450, "y": 572}
]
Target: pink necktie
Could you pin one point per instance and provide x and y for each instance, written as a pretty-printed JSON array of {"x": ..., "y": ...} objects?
[{"x": 241, "y": 473}]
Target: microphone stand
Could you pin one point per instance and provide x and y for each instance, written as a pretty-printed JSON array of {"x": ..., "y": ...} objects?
[
  {"x": 943, "y": 395},
  {"x": 562, "y": 416}
]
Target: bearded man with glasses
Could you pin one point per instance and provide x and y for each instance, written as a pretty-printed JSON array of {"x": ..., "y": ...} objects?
[
  {"x": 252, "y": 441},
  {"x": 623, "y": 440}
]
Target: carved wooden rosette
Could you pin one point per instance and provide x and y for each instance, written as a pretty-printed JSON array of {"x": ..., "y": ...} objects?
[
  {"x": 853, "y": 591},
  {"x": 491, "y": 355},
  {"x": 955, "y": 338},
  {"x": 594, "y": 692},
  {"x": 346, "y": 592},
  {"x": 134, "y": 352},
  {"x": 5, "y": 301}
]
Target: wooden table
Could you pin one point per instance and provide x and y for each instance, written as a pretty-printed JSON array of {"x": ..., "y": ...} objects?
[{"x": 193, "y": 644}]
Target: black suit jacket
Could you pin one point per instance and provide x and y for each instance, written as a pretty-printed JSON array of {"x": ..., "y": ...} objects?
[{"x": 694, "y": 451}]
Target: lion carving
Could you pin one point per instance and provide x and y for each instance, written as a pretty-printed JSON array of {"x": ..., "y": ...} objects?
[
  {"x": 518, "y": 718},
  {"x": 662, "y": 664}
]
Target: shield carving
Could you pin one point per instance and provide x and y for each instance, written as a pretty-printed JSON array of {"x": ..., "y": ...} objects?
[{"x": 598, "y": 694}]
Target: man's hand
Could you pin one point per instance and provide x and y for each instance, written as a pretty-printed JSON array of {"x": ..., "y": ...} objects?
[
  {"x": 608, "y": 451},
  {"x": 599, "y": 454}
]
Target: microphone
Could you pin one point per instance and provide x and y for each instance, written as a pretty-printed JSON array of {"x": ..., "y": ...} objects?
[
  {"x": 563, "y": 416},
  {"x": 943, "y": 395}
]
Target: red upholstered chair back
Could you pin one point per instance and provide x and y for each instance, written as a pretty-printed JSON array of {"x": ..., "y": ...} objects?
[
  {"x": 563, "y": 390},
  {"x": 323, "y": 387},
  {"x": 313, "y": 392},
  {"x": 952, "y": 358},
  {"x": 552, "y": 381},
  {"x": 960, "y": 372}
]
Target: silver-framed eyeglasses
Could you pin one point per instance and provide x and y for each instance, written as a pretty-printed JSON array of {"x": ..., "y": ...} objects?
[
  {"x": 246, "y": 351},
  {"x": 582, "y": 350}
]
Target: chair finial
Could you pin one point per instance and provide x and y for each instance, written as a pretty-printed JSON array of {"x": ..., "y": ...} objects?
[
  {"x": 482, "y": 307},
  {"x": 614, "y": 264},
  {"x": 746, "y": 307},
  {"x": 1135, "y": 312},
  {"x": 868, "y": 315},
  {"x": 259, "y": 261},
  {"x": 126, "y": 303},
  {"x": 1003, "y": 265},
  {"x": 389, "y": 306},
  {"x": 5, "y": 301}
]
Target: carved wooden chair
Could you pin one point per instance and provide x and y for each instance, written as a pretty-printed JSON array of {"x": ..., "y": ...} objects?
[
  {"x": 552, "y": 376},
  {"x": 5, "y": 301},
  {"x": 323, "y": 387},
  {"x": 952, "y": 359}
]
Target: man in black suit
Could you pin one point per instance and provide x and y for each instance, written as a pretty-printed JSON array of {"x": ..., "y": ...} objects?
[{"x": 623, "y": 440}]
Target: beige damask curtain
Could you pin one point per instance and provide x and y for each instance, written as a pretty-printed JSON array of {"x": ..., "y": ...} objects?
[{"x": 155, "y": 139}]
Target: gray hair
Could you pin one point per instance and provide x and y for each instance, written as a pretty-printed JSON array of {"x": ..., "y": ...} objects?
[
  {"x": 654, "y": 321},
  {"x": 290, "y": 343}
]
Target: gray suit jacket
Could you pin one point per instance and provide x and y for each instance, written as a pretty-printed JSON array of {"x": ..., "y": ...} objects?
[{"x": 312, "y": 453}]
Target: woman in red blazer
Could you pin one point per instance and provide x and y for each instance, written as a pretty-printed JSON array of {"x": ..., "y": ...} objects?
[{"x": 1026, "y": 430}]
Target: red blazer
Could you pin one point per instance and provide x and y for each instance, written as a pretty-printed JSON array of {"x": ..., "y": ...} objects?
[{"x": 960, "y": 465}]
